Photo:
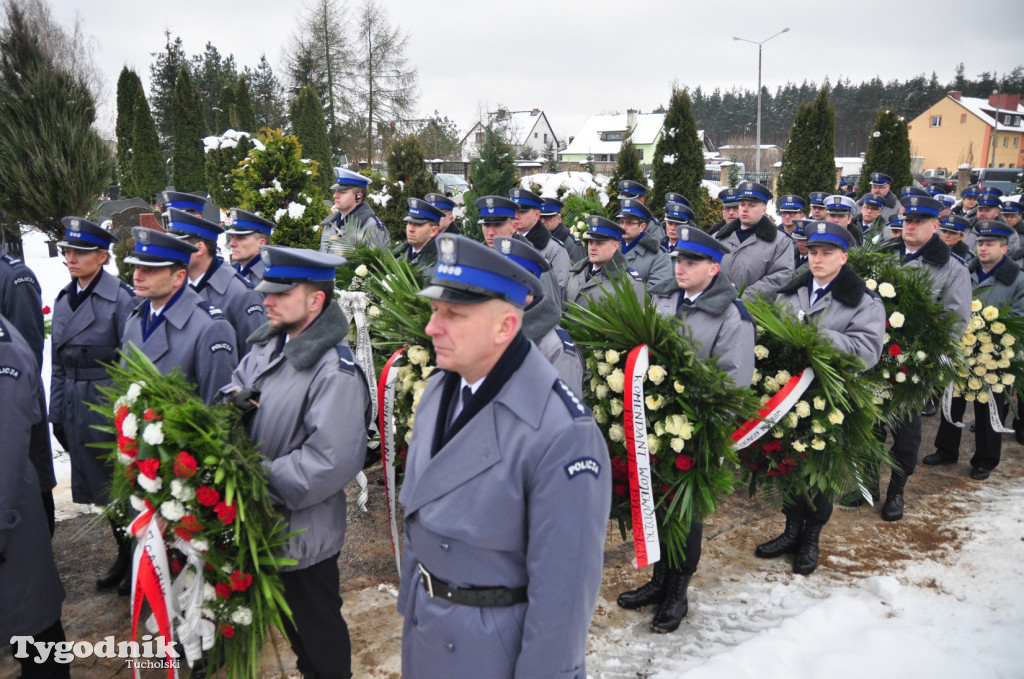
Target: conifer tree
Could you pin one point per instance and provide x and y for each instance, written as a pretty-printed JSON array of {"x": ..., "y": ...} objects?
[
  {"x": 678, "y": 162},
  {"x": 149, "y": 170},
  {"x": 266, "y": 95},
  {"x": 492, "y": 174},
  {"x": 188, "y": 163},
  {"x": 272, "y": 182},
  {"x": 408, "y": 177},
  {"x": 627, "y": 166},
  {"x": 128, "y": 85},
  {"x": 310, "y": 127},
  {"x": 245, "y": 114},
  {"x": 225, "y": 110},
  {"x": 888, "y": 152},
  {"x": 163, "y": 74},
  {"x": 808, "y": 161},
  {"x": 552, "y": 155}
]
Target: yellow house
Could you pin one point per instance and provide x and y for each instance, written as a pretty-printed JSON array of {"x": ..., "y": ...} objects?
[{"x": 958, "y": 130}]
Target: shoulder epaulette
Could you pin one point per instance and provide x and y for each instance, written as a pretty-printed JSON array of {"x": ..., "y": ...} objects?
[
  {"x": 214, "y": 311},
  {"x": 558, "y": 240},
  {"x": 742, "y": 308},
  {"x": 567, "y": 342},
  {"x": 380, "y": 224},
  {"x": 346, "y": 361},
  {"x": 5, "y": 336},
  {"x": 127, "y": 288},
  {"x": 249, "y": 284},
  {"x": 577, "y": 408},
  {"x": 11, "y": 260},
  {"x": 634, "y": 273},
  {"x": 958, "y": 258}
]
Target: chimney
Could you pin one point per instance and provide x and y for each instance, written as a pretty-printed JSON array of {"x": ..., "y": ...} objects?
[
  {"x": 535, "y": 111},
  {"x": 1004, "y": 102},
  {"x": 955, "y": 95},
  {"x": 631, "y": 118}
]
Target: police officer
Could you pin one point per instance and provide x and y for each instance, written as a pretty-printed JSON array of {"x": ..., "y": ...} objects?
[
  {"x": 831, "y": 295},
  {"x": 760, "y": 259},
  {"x": 791, "y": 208},
  {"x": 89, "y": 317},
  {"x": 633, "y": 189},
  {"x": 31, "y": 593},
  {"x": 968, "y": 203},
  {"x": 730, "y": 199},
  {"x": 422, "y": 224},
  {"x": 951, "y": 230},
  {"x": 21, "y": 302},
  {"x": 641, "y": 244},
  {"x": 447, "y": 206},
  {"x": 220, "y": 285},
  {"x": 817, "y": 204},
  {"x": 299, "y": 370},
  {"x": 175, "y": 327},
  {"x": 551, "y": 218},
  {"x": 591, "y": 278},
  {"x": 996, "y": 281},
  {"x": 799, "y": 244},
  {"x": 677, "y": 216},
  {"x": 920, "y": 246},
  {"x": 549, "y": 336},
  {"x": 839, "y": 210},
  {"x": 881, "y": 185},
  {"x": 247, "y": 233},
  {"x": 353, "y": 221},
  {"x": 1012, "y": 213},
  {"x": 528, "y": 225},
  {"x": 870, "y": 221},
  {"x": 500, "y": 437},
  {"x": 990, "y": 207}
]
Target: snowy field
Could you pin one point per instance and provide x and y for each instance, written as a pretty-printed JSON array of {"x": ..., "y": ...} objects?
[{"x": 957, "y": 616}]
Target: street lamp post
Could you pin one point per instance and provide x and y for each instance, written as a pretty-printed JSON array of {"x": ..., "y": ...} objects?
[{"x": 757, "y": 152}]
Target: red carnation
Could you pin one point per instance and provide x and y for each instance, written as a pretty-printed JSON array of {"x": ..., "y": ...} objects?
[
  {"x": 620, "y": 489},
  {"x": 46, "y": 310},
  {"x": 227, "y": 630},
  {"x": 894, "y": 350},
  {"x": 119, "y": 416},
  {"x": 240, "y": 581},
  {"x": 149, "y": 468},
  {"x": 150, "y": 414},
  {"x": 684, "y": 462},
  {"x": 176, "y": 566},
  {"x": 190, "y": 522},
  {"x": 225, "y": 512},
  {"x": 183, "y": 533},
  {"x": 131, "y": 473},
  {"x": 223, "y": 590},
  {"x": 127, "y": 446},
  {"x": 184, "y": 465},
  {"x": 207, "y": 496}
]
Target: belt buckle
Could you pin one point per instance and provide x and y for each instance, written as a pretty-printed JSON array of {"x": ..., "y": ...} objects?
[{"x": 426, "y": 580}]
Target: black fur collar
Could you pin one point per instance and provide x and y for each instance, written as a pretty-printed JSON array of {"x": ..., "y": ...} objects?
[
  {"x": 847, "y": 288},
  {"x": 539, "y": 236},
  {"x": 935, "y": 251},
  {"x": 764, "y": 229},
  {"x": 1006, "y": 273}
]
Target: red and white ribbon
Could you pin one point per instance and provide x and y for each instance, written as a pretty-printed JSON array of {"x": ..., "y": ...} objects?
[
  {"x": 151, "y": 579},
  {"x": 386, "y": 423},
  {"x": 641, "y": 482},
  {"x": 774, "y": 410}
]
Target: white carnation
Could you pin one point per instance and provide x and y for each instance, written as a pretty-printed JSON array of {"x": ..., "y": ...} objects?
[
  {"x": 201, "y": 545},
  {"x": 182, "y": 491},
  {"x": 242, "y": 616},
  {"x": 130, "y": 426},
  {"x": 896, "y": 319},
  {"x": 133, "y": 393},
  {"x": 612, "y": 356},
  {"x": 209, "y": 593},
  {"x": 153, "y": 434},
  {"x": 150, "y": 485},
  {"x": 886, "y": 290},
  {"x": 172, "y": 510},
  {"x": 361, "y": 270},
  {"x": 137, "y": 503}
]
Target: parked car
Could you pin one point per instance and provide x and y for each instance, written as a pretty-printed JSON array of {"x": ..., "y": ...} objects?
[
  {"x": 451, "y": 184},
  {"x": 940, "y": 180},
  {"x": 997, "y": 178}
]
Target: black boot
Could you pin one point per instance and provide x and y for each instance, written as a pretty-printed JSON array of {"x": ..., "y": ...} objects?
[
  {"x": 893, "y": 508},
  {"x": 807, "y": 558},
  {"x": 787, "y": 543},
  {"x": 122, "y": 562},
  {"x": 124, "y": 587},
  {"x": 673, "y": 608},
  {"x": 652, "y": 592}
]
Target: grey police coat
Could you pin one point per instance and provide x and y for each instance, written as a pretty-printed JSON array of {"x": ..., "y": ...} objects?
[
  {"x": 558, "y": 347},
  {"x": 648, "y": 259},
  {"x": 952, "y": 280},
  {"x": 553, "y": 251},
  {"x": 848, "y": 313},
  {"x": 573, "y": 245},
  {"x": 518, "y": 497},
  {"x": 253, "y": 271},
  {"x": 21, "y": 302},
  {"x": 194, "y": 337},
  {"x": 31, "y": 592},
  {"x": 1004, "y": 288},
  {"x": 541, "y": 326},
  {"x": 583, "y": 287},
  {"x": 891, "y": 207},
  {"x": 369, "y": 230},
  {"x": 719, "y": 325},
  {"x": 81, "y": 340},
  {"x": 311, "y": 426},
  {"x": 760, "y": 264},
  {"x": 227, "y": 290}
]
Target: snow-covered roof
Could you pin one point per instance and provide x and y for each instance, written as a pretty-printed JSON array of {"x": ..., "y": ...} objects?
[
  {"x": 588, "y": 139},
  {"x": 986, "y": 111}
]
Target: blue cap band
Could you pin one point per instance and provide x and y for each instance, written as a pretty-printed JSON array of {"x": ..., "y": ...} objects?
[
  {"x": 497, "y": 212},
  {"x": 605, "y": 231},
  {"x": 197, "y": 205},
  {"x": 162, "y": 252},
  {"x": 630, "y": 211},
  {"x": 527, "y": 264},
  {"x": 194, "y": 230},
  {"x": 701, "y": 249},
  {"x": 920, "y": 210},
  {"x": 312, "y": 273},
  {"x": 483, "y": 279},
  {"x": 255, "y": 226},
  {"x": 750, "y": 193},
  {"x": 673, "y": 216},
  {"x": 527, "y": 204},
  {"x": 828, "y": 238},
  {"x": 428, "y": 215},
  {"x": 86, "y": 238}
]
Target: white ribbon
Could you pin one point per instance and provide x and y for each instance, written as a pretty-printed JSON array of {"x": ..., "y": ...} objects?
[
  {"x": 386, "y": 415},
  {"x": 993, "y": 412},
  {"x": 353, "y": 304},
  {"x": 947, "y": 406},
  {"x": 195, "y": 633}
]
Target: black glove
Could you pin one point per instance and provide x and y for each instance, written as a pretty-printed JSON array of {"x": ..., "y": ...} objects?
[
  {"x": 246, "y": 400},
  {"x": 60, "y": 435}
]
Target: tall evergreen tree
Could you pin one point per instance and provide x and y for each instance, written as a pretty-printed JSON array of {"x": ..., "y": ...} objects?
[
  {"x": 267, "y": 97},
  {"x": 408, "y": 177},
  {"x": 888, "y": 152},
  {"x": 310, "y": 128},
  {"x": 163, "y": 75},
  {"x": 440, "y": 138},
  {"x": 492, "y": 174},
  {"x": 149, "y": 169},
  {"x": 808, "y": 161},
  {"x": 627, "y": 166},
  {"x": 52, "y": 160},
  {"x": 128, "y": 86},
  {"x": 210, "y": 72},
  {"x": 245, "y": 114},
  {"x": 225, "y": 110},
  {"x": 188, "y": 163},
  {"x": 678, "y": 162},
  {"x": 273, "y": 183}
]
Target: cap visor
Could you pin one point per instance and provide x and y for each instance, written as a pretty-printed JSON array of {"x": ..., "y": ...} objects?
[
  {"x": 444, "y": 294},
  {"x": 239, "y": 232},
  {"x": 687, "y": 254},
  {"x": 77, "y": 246},
  {"x": 274, "y": 286},
  {"x": 137, "y": 261}
]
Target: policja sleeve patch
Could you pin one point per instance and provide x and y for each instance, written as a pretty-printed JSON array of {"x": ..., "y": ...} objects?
[
  {"x": 583, "y": 465},
  {"x": 254, "y": 309}
]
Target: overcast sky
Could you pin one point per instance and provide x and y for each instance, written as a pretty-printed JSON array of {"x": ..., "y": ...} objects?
[{"x": 575, "y": 58}]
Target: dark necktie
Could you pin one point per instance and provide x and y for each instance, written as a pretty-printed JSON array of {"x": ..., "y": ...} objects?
[
  {"x": 818, "y": 294},
  {"x": 467, "y": 398}
]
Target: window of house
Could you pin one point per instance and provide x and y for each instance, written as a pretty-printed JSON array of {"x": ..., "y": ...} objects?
[
  {"x": 1006, "y": 141},
  {"x": 936, "y": 121},
  {"x": 545, "y": 137},
  {"x": 1016, "y": 142},
  {"x": 611, "y": 136},
  {"x": 534, "y": 135},
  {"x": 479, "y": 137},
  {"x": 640, "y": 152},
  {"x": 963, "y": 118}
]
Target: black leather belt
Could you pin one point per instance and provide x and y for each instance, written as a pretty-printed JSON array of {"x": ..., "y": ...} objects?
[{"x": 481, "y": 597}]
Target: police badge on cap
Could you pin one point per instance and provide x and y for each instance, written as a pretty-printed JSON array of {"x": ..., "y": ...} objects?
[
  {"x": 447, "y": 251},
  {"x": 265, "y": 256},
  {"x": 684, "y": 234},
  {"x": 143, "y": 237}
]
